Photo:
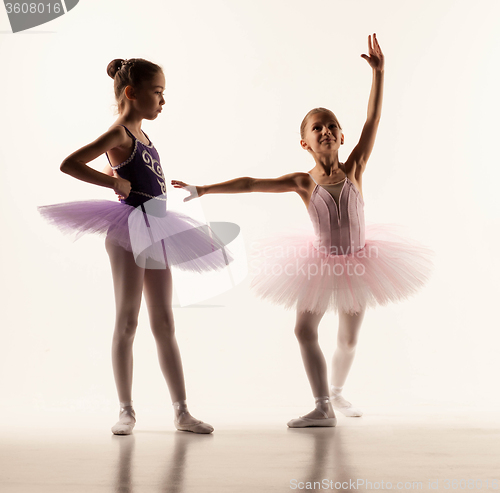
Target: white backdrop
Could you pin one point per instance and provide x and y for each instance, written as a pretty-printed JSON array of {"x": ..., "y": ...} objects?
[{"x": 240, "y": 77}]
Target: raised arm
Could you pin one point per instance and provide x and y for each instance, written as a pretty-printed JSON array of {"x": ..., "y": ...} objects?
[
  {"x": 293, "y": 182},
  {"x": 76, "y": 164},
  {"x": 360, "y": 154}
]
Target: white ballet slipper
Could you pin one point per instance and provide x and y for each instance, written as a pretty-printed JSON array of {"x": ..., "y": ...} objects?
[
  {"x": 182, "y": 414},
  {"x": 309, "y": 422},
  {"x": 125, "y": 424},
  {"x": 197, "y": 427},
  {"x": 323, "y": 407},
  {"x": 122, "y": 428},
  {"x": 345, "y": 407}
]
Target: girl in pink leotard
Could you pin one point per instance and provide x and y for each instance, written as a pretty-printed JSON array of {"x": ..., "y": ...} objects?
[{"x": 345, "y": 266}]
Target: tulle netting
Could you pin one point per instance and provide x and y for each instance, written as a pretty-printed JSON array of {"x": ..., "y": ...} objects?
[
  {"x": 169, "y": 237},
  {"x": 290, "y": 270}
]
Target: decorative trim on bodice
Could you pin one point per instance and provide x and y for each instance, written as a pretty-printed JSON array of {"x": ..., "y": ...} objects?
[
  {"x": 128, "y": 160},
  {"x": 159, "y": 197}
]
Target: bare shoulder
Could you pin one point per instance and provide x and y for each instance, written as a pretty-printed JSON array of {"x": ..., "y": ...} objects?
[
  {"x": 117, "y": 134},
  {"x": 303, "y": 180},
  {"x": 120, "y": 144},
  {"x": 305, "y": 186}
]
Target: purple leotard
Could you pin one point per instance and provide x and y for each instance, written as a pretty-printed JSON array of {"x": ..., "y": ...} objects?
[
  {"x": 143, "y": 170},
  {"x": 141, "y": 223}
]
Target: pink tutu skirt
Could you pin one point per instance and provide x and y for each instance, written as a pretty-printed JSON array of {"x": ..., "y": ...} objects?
[
  {"x": 155, "y": 236},
  {"x": 291, "y": 270}
]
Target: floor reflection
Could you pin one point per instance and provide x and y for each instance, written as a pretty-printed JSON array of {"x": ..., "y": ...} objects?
[
  {"x": 172, "y": 481},
  {"x": 249, "y": 458},
  {"x": 306, "y": 459},
  {"x": 164, "y": 465},
  {"x": 327, "y": 467},
  {"x": 125, "y": 445}
]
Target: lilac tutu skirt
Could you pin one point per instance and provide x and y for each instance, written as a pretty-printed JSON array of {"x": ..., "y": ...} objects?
[
  {"x": 291, "y": 270},
  {"x": 155, "y": 236}
]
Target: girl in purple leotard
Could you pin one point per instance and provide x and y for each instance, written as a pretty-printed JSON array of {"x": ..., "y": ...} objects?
[
  {"x": 344, "y": 266},
  {"x": 143, "y": 239}
]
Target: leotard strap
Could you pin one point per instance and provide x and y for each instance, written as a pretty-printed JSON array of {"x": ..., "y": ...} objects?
[
  {"x": 130, "y": 134},
  {"x": 312, "y": 178},
  {"x": 135, "y": 138}
]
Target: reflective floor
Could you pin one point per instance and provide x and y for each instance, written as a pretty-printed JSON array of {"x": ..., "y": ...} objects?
[{"x": 404, "y": 451}]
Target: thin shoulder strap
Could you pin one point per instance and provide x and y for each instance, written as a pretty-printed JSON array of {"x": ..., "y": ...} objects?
[
  {"x": 312, "y": 178},
  {"x": 128, "y": 131},
  {"x": 131, "y": 135}
]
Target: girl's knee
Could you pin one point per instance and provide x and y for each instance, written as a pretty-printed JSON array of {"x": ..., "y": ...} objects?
[
  {"x": 305, "y": 333},
  {"x": 126, "y": 327},
  {"x": 347, "y": 344},
  {"x": 164, "y": 329}
]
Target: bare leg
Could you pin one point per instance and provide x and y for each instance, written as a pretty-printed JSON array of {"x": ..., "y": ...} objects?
[
  {"x": 343, "y": 357},
  {"x": 158, "y": 294},
  {"x": 306, "y": 331},
  {"x": 128, "y": 281}
]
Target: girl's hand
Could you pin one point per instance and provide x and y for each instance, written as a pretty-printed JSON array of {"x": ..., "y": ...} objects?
[
  {"x": 194, "y": 191},
  {"x": 122, "y": 187},
  {"x": 375, "y": 58}
]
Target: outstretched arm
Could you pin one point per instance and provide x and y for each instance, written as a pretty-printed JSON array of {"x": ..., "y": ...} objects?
[
  {"x": 360, "y": 154},
  {"x": 292, "y": 182}
]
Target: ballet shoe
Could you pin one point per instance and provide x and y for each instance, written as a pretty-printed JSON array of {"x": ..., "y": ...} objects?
[
  {"x": 122, "y": 428},
  {"x": 322, "y": 407},
  {"x": 345, "y": 407},
  {"x": 182, "y": 414},
  {"x": 308, "y": 422},
  {"x": 197, "y": 427},
  {"x": 125, "y": 424}
]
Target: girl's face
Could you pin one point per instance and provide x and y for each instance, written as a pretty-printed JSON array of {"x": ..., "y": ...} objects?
[
  {"x": 149, "y": 97},
  {"x": 322, "y": 135}
]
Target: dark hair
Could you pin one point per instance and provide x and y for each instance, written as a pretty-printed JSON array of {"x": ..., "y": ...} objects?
[
  {"x": 132, "y": 72},
  {"x": 314, "y": 112}
]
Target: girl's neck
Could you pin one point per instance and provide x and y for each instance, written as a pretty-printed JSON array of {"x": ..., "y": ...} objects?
[
  {"x": 131, "y": 121},
  {"x": 327, "y": 166},
  {"x": 132, "y": 125}
]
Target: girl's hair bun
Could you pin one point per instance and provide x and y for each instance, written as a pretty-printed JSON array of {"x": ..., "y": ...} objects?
[
  {"x": 131, "y": 72},
  {"x": 114, "y": 66}
]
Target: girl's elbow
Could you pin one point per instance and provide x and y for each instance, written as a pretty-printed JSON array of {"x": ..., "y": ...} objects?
[
  {"x": 374, "y": 118},
  {"x": 64, "y": 166},
  {"x": 67, "y": 166}
]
